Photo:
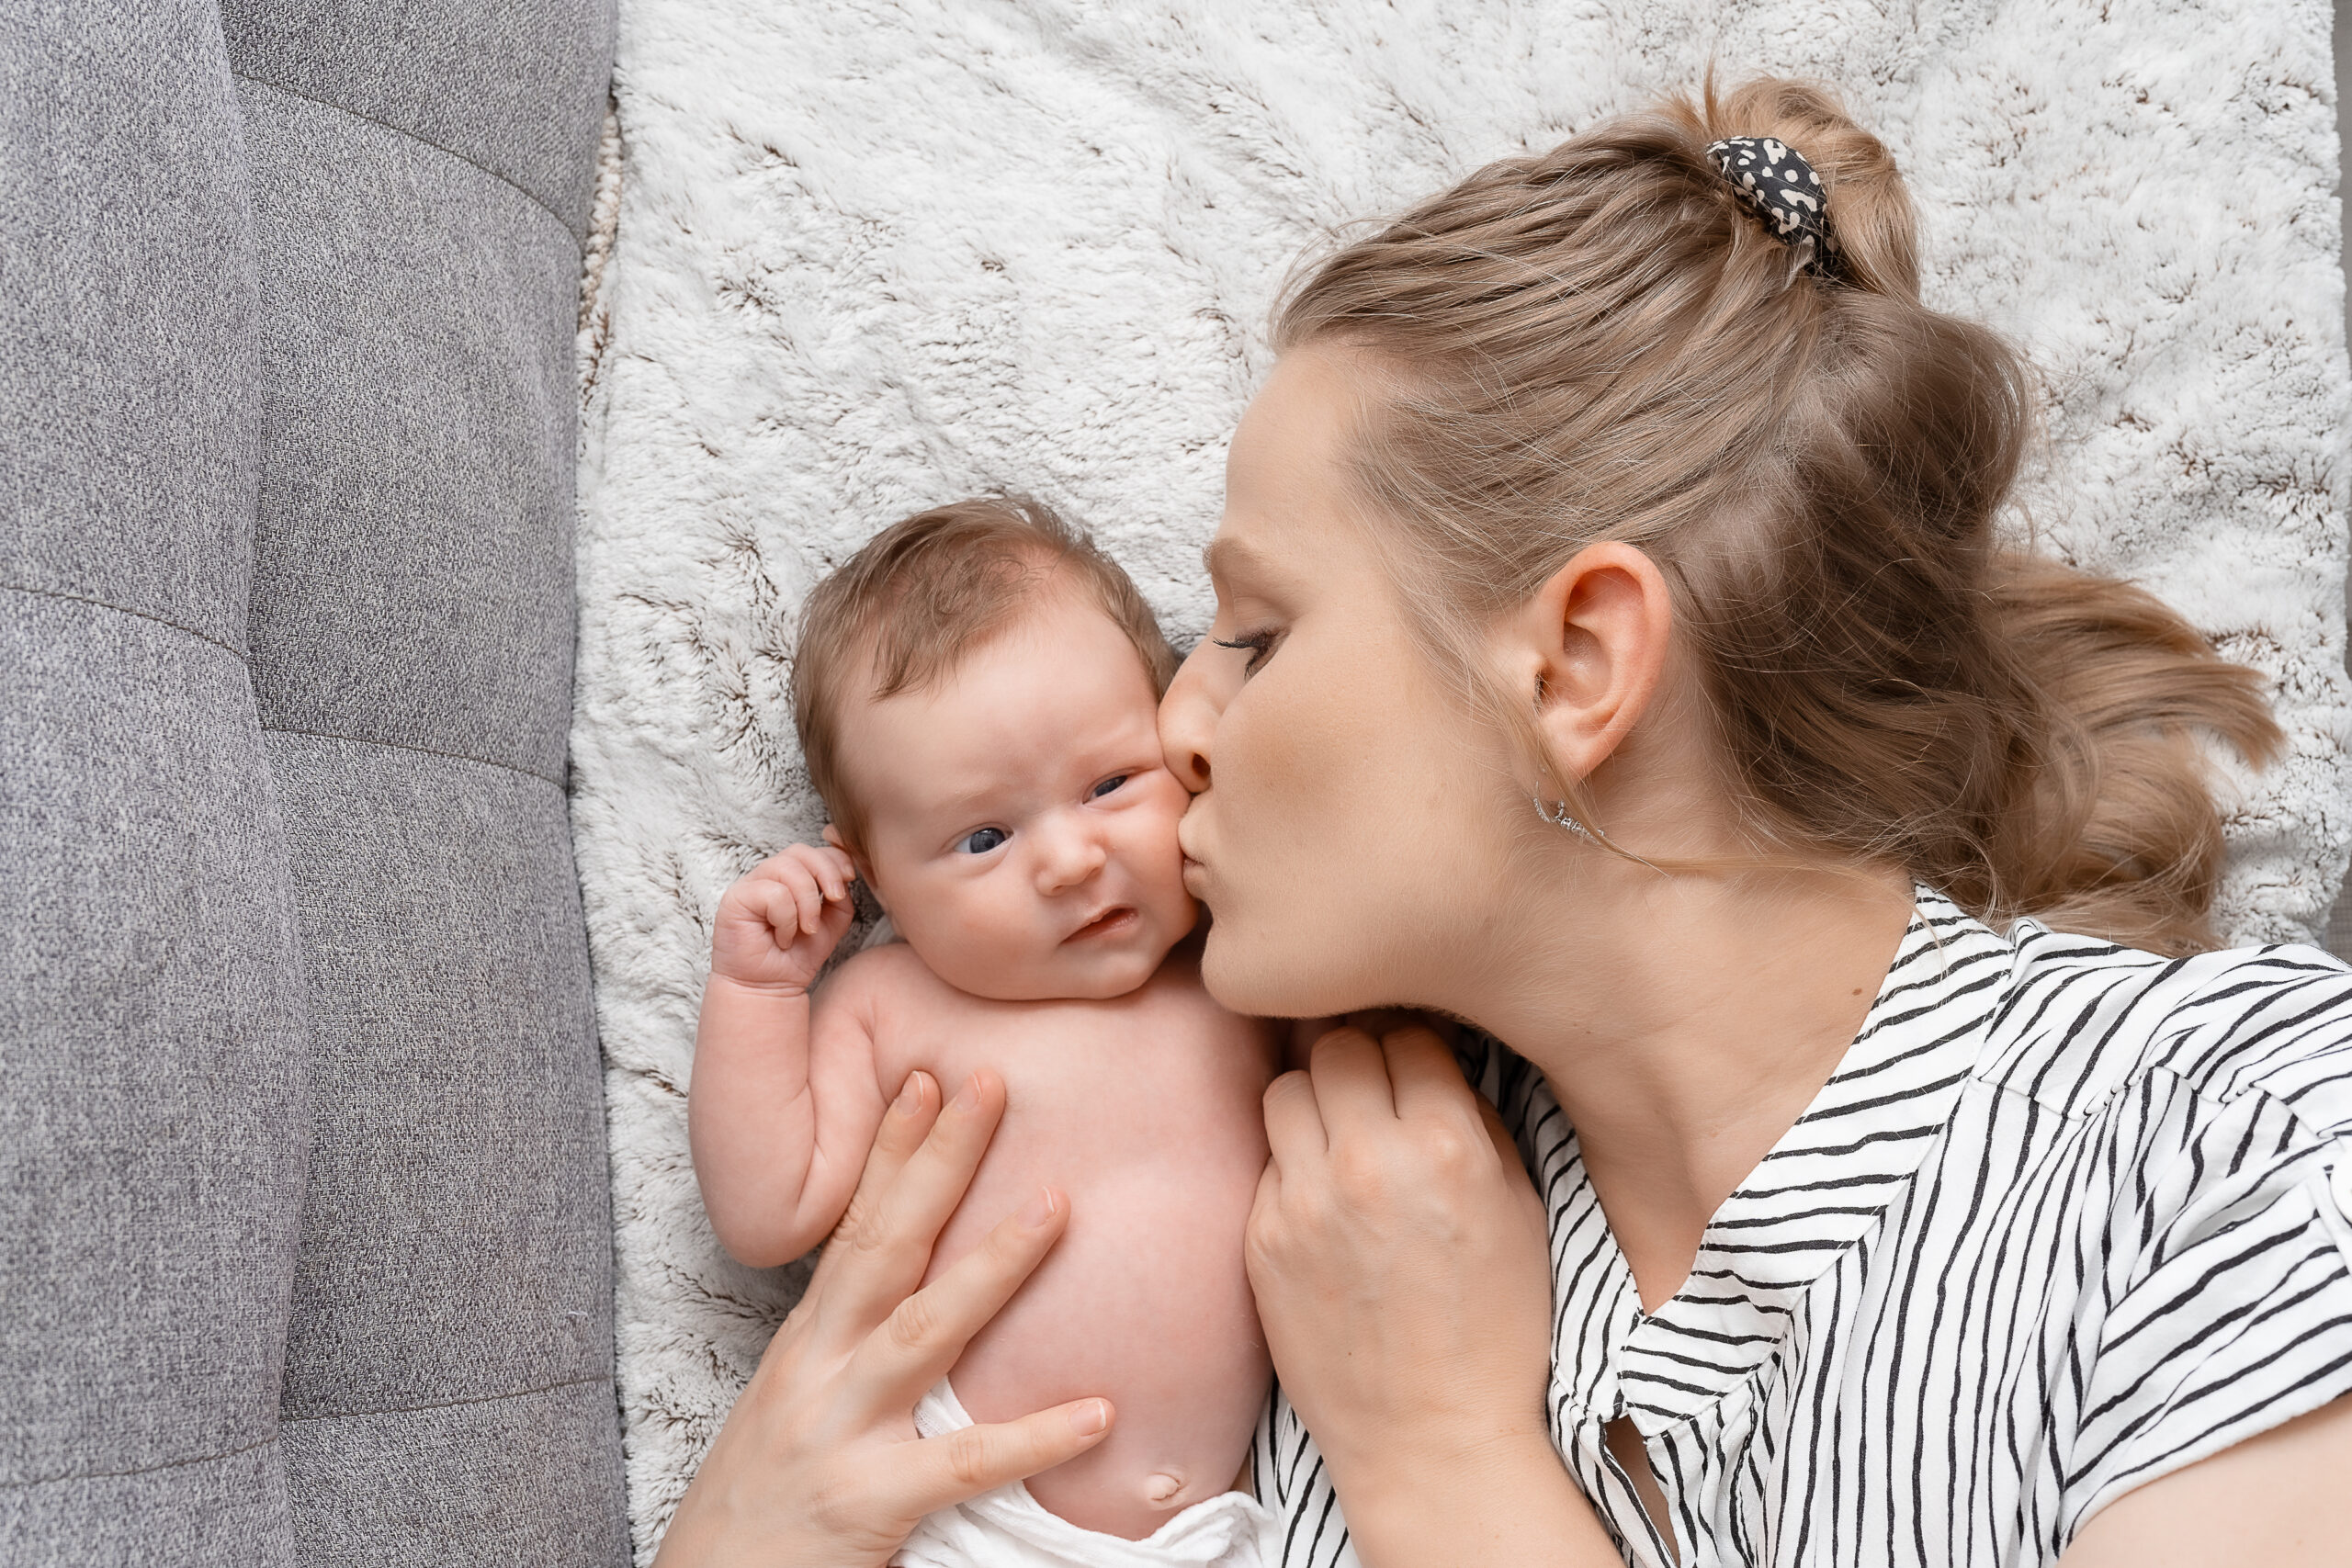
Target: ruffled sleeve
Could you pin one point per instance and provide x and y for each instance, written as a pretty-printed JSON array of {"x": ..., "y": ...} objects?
[{"x": 2221, "y": 1303}]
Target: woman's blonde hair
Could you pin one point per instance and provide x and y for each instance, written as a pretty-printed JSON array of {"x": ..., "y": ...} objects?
[{"x": 1603, "y": 342}]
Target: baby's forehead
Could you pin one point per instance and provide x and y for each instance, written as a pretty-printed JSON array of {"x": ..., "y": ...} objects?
[{"x": 1055, "y": 696}]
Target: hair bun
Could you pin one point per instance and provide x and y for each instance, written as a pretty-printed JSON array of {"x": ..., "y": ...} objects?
[
  {"x": 1868, "y": 235},
  {"x": 1778, "y": 185}
]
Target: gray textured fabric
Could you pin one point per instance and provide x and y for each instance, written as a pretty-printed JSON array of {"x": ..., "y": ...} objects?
[
  {"x": 413, "y": 572},
  {"x": 152, "y": 1126},
  {"x": 531, "y": 1489},
  {"x": 230, "y": 1511},
  {"x": 151, "y": 1136},
  {"x": 456, "y": 1237},
  {"x": 411, "y": 630},
  {"x": 301, "y": 1165},
  {"x": 517, "y": 88},
  {"x": 127, "y": 353}
]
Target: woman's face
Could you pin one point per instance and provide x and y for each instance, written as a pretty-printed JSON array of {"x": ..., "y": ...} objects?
[{"x": 1351, "y": 816}]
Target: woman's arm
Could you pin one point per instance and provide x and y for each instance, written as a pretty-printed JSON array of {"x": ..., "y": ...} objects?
[
  {"x": 818, "y": 1464},
  {"x": 2277, "y": 1501},
  {"x": 1401, "y": 1265}
]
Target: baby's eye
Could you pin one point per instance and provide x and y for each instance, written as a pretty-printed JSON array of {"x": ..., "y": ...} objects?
[
  {"x": 981, "y": 840},
  {"x": 1106, "y": 787}
]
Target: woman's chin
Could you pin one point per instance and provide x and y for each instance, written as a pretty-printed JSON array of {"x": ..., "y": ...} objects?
[{"x": 1262, "y": 979}]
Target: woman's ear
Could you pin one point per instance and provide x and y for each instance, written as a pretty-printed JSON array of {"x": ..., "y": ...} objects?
[{"x": 1589, "y": 649}]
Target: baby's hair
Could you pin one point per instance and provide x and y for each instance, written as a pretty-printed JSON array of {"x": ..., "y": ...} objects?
[
  {"x": 1604, "y": 343},
  {"x": 924, "y": 594}
]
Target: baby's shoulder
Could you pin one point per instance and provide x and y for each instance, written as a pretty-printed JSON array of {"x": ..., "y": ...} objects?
[
  {"x": 889, "y": 986},
  {"x": 888, "y": 973}
]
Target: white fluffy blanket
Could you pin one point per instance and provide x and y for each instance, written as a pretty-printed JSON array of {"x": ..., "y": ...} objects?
[{"x": 876, "y": 254}]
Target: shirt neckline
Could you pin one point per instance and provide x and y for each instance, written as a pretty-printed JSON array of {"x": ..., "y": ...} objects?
[{"x": 1821, "y": 1188}]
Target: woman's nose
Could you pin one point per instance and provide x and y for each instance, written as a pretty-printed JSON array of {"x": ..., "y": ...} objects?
[{"x": 1187, "y": 717}]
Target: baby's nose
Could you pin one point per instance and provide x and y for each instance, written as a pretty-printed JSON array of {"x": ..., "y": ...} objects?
[{"x": 1071, "y": 854}]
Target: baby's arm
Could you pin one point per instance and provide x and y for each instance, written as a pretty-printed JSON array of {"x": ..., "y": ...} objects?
[{"x": 783, "y": 1105}]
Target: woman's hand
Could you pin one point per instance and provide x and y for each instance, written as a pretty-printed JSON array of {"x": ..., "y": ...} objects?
[
  {"x": 1402, "y": 1269},
  {"x": 819, "y": 1462}
]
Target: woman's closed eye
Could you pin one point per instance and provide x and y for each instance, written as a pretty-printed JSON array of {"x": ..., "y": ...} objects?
[
  {"x": 1260, "y": 645},
  {"x": 981, "y": 840}
]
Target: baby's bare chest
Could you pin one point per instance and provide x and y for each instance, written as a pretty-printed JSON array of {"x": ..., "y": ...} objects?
[{"x": 1146, "y": 1086}]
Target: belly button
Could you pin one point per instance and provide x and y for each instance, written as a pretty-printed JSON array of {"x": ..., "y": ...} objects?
[{"x": 1161, "y": 1490}]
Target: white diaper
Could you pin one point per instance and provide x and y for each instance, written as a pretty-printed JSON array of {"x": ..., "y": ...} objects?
[{"x": 1008, "y": 1528}]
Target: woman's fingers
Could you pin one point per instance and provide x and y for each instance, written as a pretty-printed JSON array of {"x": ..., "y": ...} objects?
[
  {"x": 904, "y": 1127},
  {"x": 1514, "y": 1169},
  {"x": 1299, "y": 1049},
  {"x": 1499, "y": 1136},
  {"x": 1294, "y": 1131},
  {"x": 938, "y": 1471},
  {"x": 1426, "y": 1079},
  {"x": 927, "y": 1332},
  {"x": 884, "y": 1244},
  {"x": 1351, "y": 1086}
]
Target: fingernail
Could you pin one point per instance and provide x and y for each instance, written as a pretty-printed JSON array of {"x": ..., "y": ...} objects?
[
  {"x": 969, "y": 1099},
  {"x": 1038, "y": 1209},
  {"x": 910, "y": 1097},
  {"x": 1089, "y": 1418}
]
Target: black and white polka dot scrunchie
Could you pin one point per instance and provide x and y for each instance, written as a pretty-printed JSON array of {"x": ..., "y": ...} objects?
[{"x": 1780, "y": 188}]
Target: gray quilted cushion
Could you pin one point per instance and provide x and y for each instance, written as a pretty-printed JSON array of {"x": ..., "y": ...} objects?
[
  {"x": 152, "y": 1121},
  {"x": 421, "y": 171},
  {"x": 300, "y": 1155}
]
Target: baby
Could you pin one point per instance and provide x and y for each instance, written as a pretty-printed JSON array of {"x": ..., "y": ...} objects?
[{"x": 976, "y": 692}]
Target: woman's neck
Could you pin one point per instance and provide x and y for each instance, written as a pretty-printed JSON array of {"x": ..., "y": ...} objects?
[{"x": 1687, "y": 1031}]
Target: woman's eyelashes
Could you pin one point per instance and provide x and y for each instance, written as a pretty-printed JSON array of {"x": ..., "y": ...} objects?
[
  {"x": 981, "y": 840},
  {"x": 1259, "y": 645}
]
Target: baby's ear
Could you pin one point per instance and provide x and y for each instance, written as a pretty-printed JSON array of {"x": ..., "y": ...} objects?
[{"x": 834, "y": 836}]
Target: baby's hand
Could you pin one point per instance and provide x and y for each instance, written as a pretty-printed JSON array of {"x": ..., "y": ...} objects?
[{"x": 782, "y": 920}]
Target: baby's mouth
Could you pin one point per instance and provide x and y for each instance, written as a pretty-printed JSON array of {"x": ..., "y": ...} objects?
[{"x": 1108, "y": 923}]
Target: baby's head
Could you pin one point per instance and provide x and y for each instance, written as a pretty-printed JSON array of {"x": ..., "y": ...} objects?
[{"x": 976, "y": 693}]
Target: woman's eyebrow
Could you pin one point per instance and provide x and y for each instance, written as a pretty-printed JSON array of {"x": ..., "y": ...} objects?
[{"x": 1225, "y": 558}]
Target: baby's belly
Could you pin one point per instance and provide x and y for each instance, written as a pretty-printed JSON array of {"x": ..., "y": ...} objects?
[{"x": 1143, "y": 1302}]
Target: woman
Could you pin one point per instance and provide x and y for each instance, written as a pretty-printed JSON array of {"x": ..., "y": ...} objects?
[{"x": 1613, "y": 651}]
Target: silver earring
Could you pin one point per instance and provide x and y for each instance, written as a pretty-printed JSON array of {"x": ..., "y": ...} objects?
[{"x": 1558, "y": 815}]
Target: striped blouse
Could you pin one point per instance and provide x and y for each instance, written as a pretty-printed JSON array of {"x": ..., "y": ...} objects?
[{"x": 2067, "y": 1217}]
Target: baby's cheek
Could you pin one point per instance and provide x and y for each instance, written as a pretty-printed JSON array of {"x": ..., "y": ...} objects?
[
  {"x": 1156, "y": 859},
  {"x": 987, "y": 926},
  {"x": 1155, "y": 829}
]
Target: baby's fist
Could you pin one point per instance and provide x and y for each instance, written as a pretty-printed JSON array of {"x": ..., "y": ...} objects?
[{"x": 780, "y": 922}]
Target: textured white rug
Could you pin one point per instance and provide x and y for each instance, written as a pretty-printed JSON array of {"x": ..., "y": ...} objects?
[{"x": 874, "y": 255}]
